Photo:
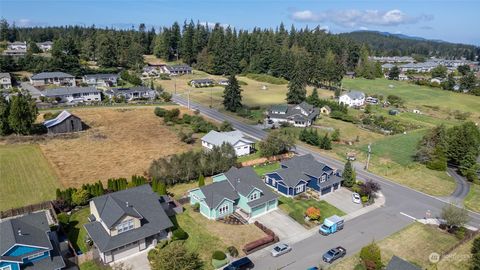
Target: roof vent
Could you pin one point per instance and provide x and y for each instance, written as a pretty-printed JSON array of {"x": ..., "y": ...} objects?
[
  {"x": 126, "y": 203},
  {"x": 19, "y": 232}
]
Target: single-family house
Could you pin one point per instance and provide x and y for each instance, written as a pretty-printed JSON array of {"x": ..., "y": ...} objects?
[
  {"x": 27, "y": 242},
  {"x": 223, "y": 82},
  {"x": 301, "y": 115},
  {"x": 65, "y": 122},
  {"x": 125, "y": 222},
  {"x": 350, "y": 74},
  {"x": 132, "y": 93},
  {"x": 325, "y": 110},
  {"x": 402, "y": 77},
  {"x": 5, "y": 80},
  {"x": 436, "y": 80},
  {"x": 202, "y": 83},
  {"x": 238, "y": 191},
  {"x": 241, "y": 144},
  {"x": 177, "y": 69},
  {"x": 73, "y": 94},
  {"x": 17, "y": 46},
  {"x": 352, "y": 99},
  {"x": 10, "y": 52},
  {"x": 101, "y": 80},
  {"x": 45, "y": 46},
  {"x": 371, "y": 100},
  {"x": 302, "y": 172},
  {"x": 397, "y": 263},
  {"x": 150, "y": 72},
  {"x": 56, "y": 78}
]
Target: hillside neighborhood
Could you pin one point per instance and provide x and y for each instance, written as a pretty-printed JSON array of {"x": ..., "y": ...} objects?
[{"x": 195, "y": 146}]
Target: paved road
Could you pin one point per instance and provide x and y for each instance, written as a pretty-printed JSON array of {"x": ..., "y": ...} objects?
[
  {"x": 463, "y": 186},
  {"x": 402, "y": 206}
]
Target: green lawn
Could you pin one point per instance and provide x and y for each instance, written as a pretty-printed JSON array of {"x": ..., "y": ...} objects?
[
  {"x": 472, "y": 201},
  {"x": 26, "y": 176},
  {"x": 92, "y": 265},
  {"x": 76, "y": 232},
  {"x": 296, "y": 208},
  {"x": 263, "y": 169},
  {"x": 253, "y": 156}
]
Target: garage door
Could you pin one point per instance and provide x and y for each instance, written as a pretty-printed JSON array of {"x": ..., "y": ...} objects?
[
  {"x": 125, "y": 251},
  {"x": 326, "y": 190}
]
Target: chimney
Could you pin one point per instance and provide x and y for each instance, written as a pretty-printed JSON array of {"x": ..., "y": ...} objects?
[{"x": 19, "y": 232}]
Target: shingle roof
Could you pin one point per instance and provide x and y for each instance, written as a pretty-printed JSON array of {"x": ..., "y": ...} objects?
[
  {"x": 215, "y": 193},
  {"x": 100, "y": 76},
  {"x": 355, "y": 95},
  {"x": 57, "y": 120},
  {"x": 397, "y": 263},
  {"x": 30, "y": 229},
  {"x": 142, "y": 202},
  {"x": 47, "y": 75},
  {"x": 307, "y": 164},
  {"x": 179, "y": 68},
  {"x": 5, "y": 75},
  {"x": 117, "y": 91},
  {"x": 69, "y": 91},
  {"x": 291, "y": 176},
  {"x": 218, "y": 138},
  {"x": 202, "y": 81},
  {"x": 291, "y": 112}
]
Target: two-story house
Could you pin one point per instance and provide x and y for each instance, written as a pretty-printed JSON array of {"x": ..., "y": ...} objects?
[
  {"x": 352, "y": 99},
  {"x": 241, "y": 144},
  {"x": 28, "y": 243},
  {"x": 17, "y": 45},
  {"x": 301, "y": 115},
  {"x": 101, "y": 80},
  {"x": 56, "y": 78},
  {"x": 5, "y": 81},
  {"x": 125, "y": 222},
  {"x": 302, "y": 172},
  {"x": 74, "y": 94},
  {"x": 235, "y": 191}
]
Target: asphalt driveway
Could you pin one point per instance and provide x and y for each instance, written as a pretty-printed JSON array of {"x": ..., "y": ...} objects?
[
  {"x": 342, "y": 199},
  {"x": 281, "y": 224}
]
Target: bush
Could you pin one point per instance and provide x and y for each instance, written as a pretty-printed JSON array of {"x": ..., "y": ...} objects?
[
  {"x": 165, "y": 96},
  {"x": 179, "y": 234},
  {"x": 219, "y": 255},
  {"x": 313, "y": 213},
  {"x": 196, "y": 207},
  {"x": 249, "y": 247},
  {"x": 371, "y": 256},
  {"x": 460, "y": 233},
  {"x": 233, "y": 251},
  {"x": 360, "y": 266},
  {"x": 160, "y": 112},
  {"x": 364, "y": 199},
  {"x": 80, "y": 197},
  {"x": 63, "y": 219}
]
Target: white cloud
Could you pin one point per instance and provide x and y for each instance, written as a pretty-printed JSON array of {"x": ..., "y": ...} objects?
[
  {"x": 23, "y": 23},
  {"x": 363, "y": 28},
  {"x": 212, "y": 24},
  {"x": 354, "y": 17}
]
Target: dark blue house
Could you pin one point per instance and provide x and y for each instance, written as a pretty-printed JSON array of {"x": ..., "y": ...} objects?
[
  {"x": 302, "y": 172},
  {"x": 27, "y": 243}
]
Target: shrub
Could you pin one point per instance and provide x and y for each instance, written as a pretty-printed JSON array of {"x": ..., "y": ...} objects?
[
  {"x": 186, "y": 137},
  {"x": 219, "y": 255},
  {"x": 313, "y": 213},
  {"x": 80, "y": 197},
  {"x": 196, "y": 207},
  {"x": 249, "y": 247},
  {"x": 360, "y": 266},
  {"x": 63, "y": 219},
  {"x": 179, "y": 234},
  {"x": 165, "y": 96},
  {"x": 371, "y": 256},
  {"x": 460, "y": 233},
  {"x": 172, "y": 115},
  {"x": 454, "y": 216},
  {"x": 233, "y": 251},
  {"x": 160, "y": 112},
  {"x": 364, "y": 199}
]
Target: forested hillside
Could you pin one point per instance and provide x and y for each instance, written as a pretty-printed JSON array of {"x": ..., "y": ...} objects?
[{"x": 383, "y": 44}]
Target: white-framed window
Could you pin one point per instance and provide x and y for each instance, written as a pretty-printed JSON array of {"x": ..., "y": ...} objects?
[
  {"x": 323, "y": 179},
  {"x": 125, "y": 226},
  {"x": 8, "y": 267},
  {"x": 35, "y": 255},
  {"x": 223, "y": 210},
  {"x": 254, "y": 196},
  {"x": 299, "y": 189}
]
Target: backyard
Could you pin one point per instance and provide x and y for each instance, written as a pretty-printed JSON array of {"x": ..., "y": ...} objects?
[
  {"x": 296, "y": 208},
  {"x": 472, "y": 201},
  {"x": 76, "y": 233},
  {"x": 26, "y": 176}
]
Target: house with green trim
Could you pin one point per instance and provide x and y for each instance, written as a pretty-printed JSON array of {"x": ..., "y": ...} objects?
[{"x": 238, "y": 191}]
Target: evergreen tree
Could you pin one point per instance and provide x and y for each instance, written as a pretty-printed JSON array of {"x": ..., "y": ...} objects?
[
  {"x": 106, "y": 50},
  {"x": 449, "y": 84},
  {"x": 201, "y": 180},
  {"x": 336, "y": 135},
  {"x": 4, "y": 112},
  {"x": 326, "y": 144},
  {"x": 297, "y": 85},
  {"x": 162, "y": 188},
  {"x": 313, "y": 98},
  {"x": 232, "y": 95},
  {"x": 348, "y": 175},
  {"x": 394, "y": 73},
  {"x": 23, "y": 113}
]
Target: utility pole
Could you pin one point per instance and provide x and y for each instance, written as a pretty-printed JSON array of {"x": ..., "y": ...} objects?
[
  {"x": 188, "y": 99},
  {"x": 211, "y": 97},
  {"x": 175, "y": 84},
  {"x": 368, "y": 156}
]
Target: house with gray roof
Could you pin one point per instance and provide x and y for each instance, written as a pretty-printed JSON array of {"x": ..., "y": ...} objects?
[
  {"x": 300, "y": 115},
  {"x": 176, "y": 69},
  {"x": 298, "y": 174},
  {"x": 100, "y": 80},
  {"x": 65, "y": 122},
  {"x": 132, "y": 93},
  {"x": 73, "y": 94},
  {"x": 242, "y": 144},
  {"x": 27, "y": 242},
  {"x": 235, "y": 192},
  {"x": 127, "y": 221},
  {"x": 45, "y": 46},
  {"x": 352, "y": 99},
  {"x": 17, "y": 46},
  {"x": 397, "y": 263},
  {"x": 55, "y": 78},
  {"x": 202, "y": 83},
  {"x": 5, "y": 80}
]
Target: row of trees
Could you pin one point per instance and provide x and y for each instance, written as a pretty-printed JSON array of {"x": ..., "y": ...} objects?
[
  {"x": 17, "y": 115},
  {"x": 310, "y": 136}
]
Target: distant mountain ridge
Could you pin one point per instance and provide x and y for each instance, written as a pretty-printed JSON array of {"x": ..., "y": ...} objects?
[{"x": 403, "y": 36}]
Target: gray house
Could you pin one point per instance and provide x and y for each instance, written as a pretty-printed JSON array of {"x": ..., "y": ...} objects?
[
  {"x": 65, "y": 122},
  {"x": 397, "y": 263},
  {"x": 74, "y": 94},
  {"x": 202, "y": 83},
  {"x": 301, "y": 115},
  {"x": 56, "y": 78},
  {"x": 101, "y": 80},
  {"x": 125, "y": 222},
  {"x": 5, "y": 80},
  {"x": 132, "y": 93},
  {"x": 177, "y": 70}
]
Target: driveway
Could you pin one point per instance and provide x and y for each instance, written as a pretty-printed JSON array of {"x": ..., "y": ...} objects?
[
  {"x": 281, "y": 224},
  {"x": 342, "y": 199},
  {"x": 137, "y": 261}
]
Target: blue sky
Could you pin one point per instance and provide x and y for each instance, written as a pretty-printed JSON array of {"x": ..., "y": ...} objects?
[{"x": 454, "y": 20}]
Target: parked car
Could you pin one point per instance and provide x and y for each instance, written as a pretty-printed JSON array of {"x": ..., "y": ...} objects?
[
  {"x": 334, "y": 254},
  {"x": 313, "y": 268},
  {"x": 240, "y": 264},
  {"x": 331, "y": 225},
  {"x": 280, "y": 249},
  {"x": 356, "y": 198}
]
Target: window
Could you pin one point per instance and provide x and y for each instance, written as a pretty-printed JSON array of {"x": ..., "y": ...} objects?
[
  {"x": 254, "y": 196},
  {"x": 299, "y": 189},
  {"x": 223, "y": 210},
  {"x": 323, "y": 179},
  {"x": 125, "y": 226},
  {"x": 8, "y": 267},
  {"x": 33, "y": 256}
]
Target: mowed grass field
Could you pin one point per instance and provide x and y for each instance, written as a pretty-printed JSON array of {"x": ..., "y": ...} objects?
[{"x": 26, "y": 176}]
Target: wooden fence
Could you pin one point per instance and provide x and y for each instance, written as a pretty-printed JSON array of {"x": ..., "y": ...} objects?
[{"x": 47, "y": 205}]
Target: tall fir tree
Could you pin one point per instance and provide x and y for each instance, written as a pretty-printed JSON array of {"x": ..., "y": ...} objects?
[
  {"x": 232, "y": 95},
  {"x": 4, "y": 112},
  {"x": 348, "y": 175},
  {"x": 23, "y": 113},
  {"x": 297, "y": 85}
]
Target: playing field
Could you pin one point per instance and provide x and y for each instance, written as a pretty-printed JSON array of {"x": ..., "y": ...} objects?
[{"x": 26, "y": 176}]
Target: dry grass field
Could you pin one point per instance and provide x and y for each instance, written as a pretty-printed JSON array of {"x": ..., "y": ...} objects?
[{"x": 120, "y": 142}]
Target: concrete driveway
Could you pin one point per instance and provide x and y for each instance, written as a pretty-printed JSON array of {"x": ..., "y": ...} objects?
[
  {"x": 137, "y": 261},
  {"x": 281, "y": 224},
  {"x": 342, "y": 199}
]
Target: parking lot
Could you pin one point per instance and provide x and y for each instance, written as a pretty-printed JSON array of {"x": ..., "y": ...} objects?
[{"x": 342, "y": 199}]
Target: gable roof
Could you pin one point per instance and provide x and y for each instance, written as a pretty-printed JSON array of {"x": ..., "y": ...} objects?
[
  {"x": 355, "y": 95},
  {"x": 284, "y": 111},
  {"x": 57, "y": 120},
  {"x": 216, "y": 192},
  {"x": 397, "y": 263},
  {"x": 291, "y": 176},
  {"x": 69, "y": 91},
  {"x": 101, "y": 76},
  {"x": 130, "y": 90},
  {"x": 5, "y": 75},
  {"x": 202, "y": 81},
  {"x": 231, "y": 137},
  {"x": 29, "y": 230},
  {"x": 48, "y": 75},
  {"x": 307, "y": 164}
]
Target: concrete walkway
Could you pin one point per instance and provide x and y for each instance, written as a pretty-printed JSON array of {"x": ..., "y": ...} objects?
[
  {"x": 281, "y": 224},
  {"x": 137, "y": 261}
]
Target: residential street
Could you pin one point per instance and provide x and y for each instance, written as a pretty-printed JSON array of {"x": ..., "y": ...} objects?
[{"x": 402, "y": 205}]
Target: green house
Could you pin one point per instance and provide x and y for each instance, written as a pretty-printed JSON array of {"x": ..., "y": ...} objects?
[{"x": 237, "y": 190}]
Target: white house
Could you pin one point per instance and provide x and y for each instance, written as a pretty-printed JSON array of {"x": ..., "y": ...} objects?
[
  {"x": 45, "y": 46},
  {"x": 56, "y": 78},
  {"x": 17, "y": 46},
  {"x": 5, "y": 81},
  {"x": 132, "y": 93},
  {"x": 352, "y": 99},
  {"x": 74, "y": 94},
  {"x": 241, "y": 144}
]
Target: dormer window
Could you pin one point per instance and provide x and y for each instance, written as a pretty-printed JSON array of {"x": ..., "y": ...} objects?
[
  {"x": 323, "y": 179},
  {"x": 125, "y": 226},
  {"x": 254, "y": 196}
]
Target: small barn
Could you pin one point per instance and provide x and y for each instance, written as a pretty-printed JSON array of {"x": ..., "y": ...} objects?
[
  {"x": 325, "y": 110},
  {"x": 65, "y": 122}
]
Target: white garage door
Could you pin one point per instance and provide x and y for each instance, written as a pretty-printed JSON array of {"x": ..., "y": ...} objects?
[{"x": 125, "y": 251}]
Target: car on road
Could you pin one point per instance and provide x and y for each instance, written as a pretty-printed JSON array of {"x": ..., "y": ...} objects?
[
  {"x": 356, "y": 198},
  {"x": 334, "y": 254},
  {"x": 240, "y": 264},
  {"x": 280, "y": 249}
]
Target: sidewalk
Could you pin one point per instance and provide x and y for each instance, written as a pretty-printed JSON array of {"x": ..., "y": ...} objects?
[{"x": 438, "y": 221}]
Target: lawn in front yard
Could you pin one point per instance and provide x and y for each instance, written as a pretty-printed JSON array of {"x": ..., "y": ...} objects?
[
  {"x": 76, "y": 233},
  {"x": 472, "y": 201},
  {"x": 296, "y": 208},
  {"x": 93, "y": 265},
  {"x": 26, "y": 176},
  {"x": 414, "y": 243},
  {"x": 263, "y": 169},
  {"x": 180, "y": 190}
]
